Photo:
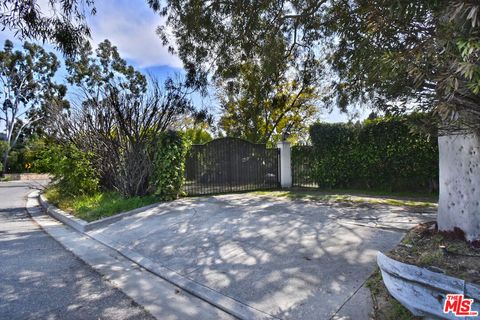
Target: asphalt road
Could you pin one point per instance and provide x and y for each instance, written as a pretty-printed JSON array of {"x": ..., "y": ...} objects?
[{"x": 39, "y": 279}]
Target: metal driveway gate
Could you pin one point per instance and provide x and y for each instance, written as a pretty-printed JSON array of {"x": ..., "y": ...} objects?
[{"x": 229, "y": 165}]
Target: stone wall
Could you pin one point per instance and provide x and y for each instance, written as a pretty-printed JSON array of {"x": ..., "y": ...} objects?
[{"x": 27, "y": 176}]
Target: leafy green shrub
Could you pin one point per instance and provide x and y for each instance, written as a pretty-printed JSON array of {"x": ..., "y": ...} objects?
[
  {"x": 333, "y": 146},
  {"x": 169, "y": 165},
  {"x": 3, "y": 148},
  {"x": 305, "y": 162},
  {"x": 72, "y": 171},
  {"x": 382, "y": 153},
  {"x": 331, "y": 136},
  {"x": 198, "y": 136}
]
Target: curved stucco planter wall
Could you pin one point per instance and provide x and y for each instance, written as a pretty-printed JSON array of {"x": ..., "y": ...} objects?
[
  {"x": 459, "y": 200},
  {"x": 422, "y": 291}
]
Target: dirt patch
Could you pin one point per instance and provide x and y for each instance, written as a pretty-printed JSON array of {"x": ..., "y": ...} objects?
[
  {"x": 448, "y": 253},
  {"x": 425, "y": 246}
]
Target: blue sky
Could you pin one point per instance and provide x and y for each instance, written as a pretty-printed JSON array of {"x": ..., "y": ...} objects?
[{"x": 130, "y": 25}]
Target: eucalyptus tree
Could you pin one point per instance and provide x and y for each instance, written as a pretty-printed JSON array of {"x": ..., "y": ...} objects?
[
  {"x": 93, "y": 71},
  {"x": 61, "y": 22},
  {"x": 27, "y": 84}
]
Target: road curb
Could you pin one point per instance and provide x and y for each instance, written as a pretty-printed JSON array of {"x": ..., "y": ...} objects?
[
  {"x": 213, "y": 297},
  {"x": 158, "y": 296},
  {"x": 60, "y": 215}
]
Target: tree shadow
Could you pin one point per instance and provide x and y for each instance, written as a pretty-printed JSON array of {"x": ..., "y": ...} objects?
[
  {"x": 291, "y": 259},
  {"x": 42, "y": 280}
]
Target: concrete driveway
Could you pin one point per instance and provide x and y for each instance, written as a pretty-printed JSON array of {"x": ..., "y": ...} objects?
[{"x": 292, "y": 259}]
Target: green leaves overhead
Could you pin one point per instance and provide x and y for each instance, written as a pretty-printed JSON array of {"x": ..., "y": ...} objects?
[
  {"x": 61, "y": 22},
  {"x": 217, "y": 37},
  {"x": 398, "y": 55},
  {"x": 411, "y": 55}
]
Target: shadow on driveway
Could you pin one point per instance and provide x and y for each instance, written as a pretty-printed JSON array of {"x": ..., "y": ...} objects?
[{"x": 292, "y": 259}]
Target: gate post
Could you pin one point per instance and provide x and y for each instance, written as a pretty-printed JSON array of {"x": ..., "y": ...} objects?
[{"x": 285, "y": 164}]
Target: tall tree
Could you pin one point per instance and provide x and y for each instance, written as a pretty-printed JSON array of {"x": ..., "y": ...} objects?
[
  {"x": 61, "y": 22},
  {"x": 266, "y": 110},
  {"x": 410, "y": 55},
  {"x": 421, "y": 55},
  {"x": 217, "y": 37},
  {"x": 399, "y": 55},
  {"x": 93, "y": 71},
  {"x": 261, "y": 56},
  {"x": 27, "y": 86}
]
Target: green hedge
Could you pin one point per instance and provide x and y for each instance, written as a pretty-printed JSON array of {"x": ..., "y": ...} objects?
[{"x": 383, "y": 153}]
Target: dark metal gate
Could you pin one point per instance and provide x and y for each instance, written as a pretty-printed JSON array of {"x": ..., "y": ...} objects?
[{"x": 230, "y": 165}]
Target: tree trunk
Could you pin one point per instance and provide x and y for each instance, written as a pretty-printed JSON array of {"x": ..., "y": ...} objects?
[{"x": 459, "y": 201}]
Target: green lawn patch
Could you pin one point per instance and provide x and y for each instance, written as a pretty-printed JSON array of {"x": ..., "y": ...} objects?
[
  {"x": 97, "y": 206},
  {"x": 358, "y": 196}
]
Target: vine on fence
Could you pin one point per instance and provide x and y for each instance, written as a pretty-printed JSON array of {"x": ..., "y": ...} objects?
[{"x": 169, "y": 165}]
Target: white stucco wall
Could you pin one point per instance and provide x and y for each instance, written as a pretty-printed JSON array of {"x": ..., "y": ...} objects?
[{"x": 459, "y": 201}]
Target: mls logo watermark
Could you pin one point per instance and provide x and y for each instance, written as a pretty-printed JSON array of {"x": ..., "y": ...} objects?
[{"x": 459, "y": 306}]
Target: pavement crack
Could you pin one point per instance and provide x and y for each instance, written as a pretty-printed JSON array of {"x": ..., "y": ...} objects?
[{"x": 349, "y": 298}]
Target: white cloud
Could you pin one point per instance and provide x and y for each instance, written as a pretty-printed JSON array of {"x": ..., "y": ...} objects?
[{"x": 130, "y": 25}]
